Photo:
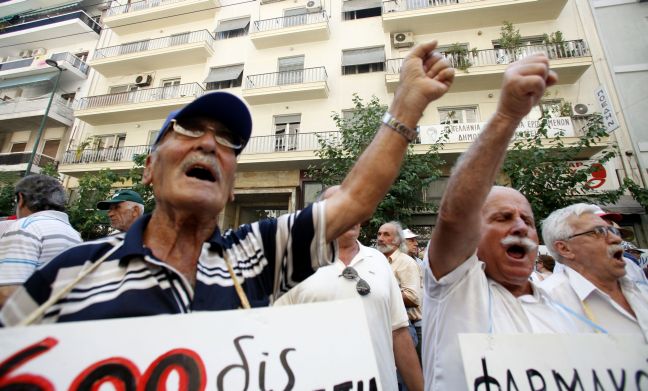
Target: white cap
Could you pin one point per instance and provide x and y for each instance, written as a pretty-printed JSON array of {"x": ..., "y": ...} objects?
[{"x": 409, "y": 234}]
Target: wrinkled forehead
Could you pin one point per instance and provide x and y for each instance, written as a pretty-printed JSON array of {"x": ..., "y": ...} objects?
[
  {"x": 586, "y": 220},
  {"x": 387, "y": 228},
  {"x": 503, "y": 198}
]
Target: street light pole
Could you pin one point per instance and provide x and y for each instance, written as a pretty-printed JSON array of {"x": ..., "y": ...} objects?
[{"x": 54, "y": 64}]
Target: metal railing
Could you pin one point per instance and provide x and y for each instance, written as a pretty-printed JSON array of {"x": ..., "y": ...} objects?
[
  {"x": 567, "y": 49},
  {"x": 15, "y": 64},
  {"x": 138, "y": 6},
  {"x": 407, "y": 5},
  {"x": 290, "y": 21},
  {"x": 97, "y": 155},
  {"x": 21, "y": 105},
  {"x": 72, "y": 60},
  {"x": 51, "y": 18},
  {"x": 141, "y": 96},
  {"x": 8, "y": 159},
  {"x": 308, "y": 75},
  {"x": 156, "y": 43},
  {"x": 288, "y": 142}
]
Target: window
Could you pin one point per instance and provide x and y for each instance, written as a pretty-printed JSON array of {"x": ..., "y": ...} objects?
[
  {"x": 50, "y": 148},
  {"x": 554, "y": 108},
  {"x": 291, "y": 70},
  {"x": 295, "y": 17},
  {"x": 179, "y": 39},
  {"x": 232, "y": 28},
  {"x": 224, "y": 77},
  {"x": 18, "y": 147},
  {"x": 134, "y": 47},
  {"x": 310, "y": 192},
  {"x": 170, "y": 88},
  {"x": 358, "y": 9},
  {"x": 123, "y": 94},
  {"x": 286, "y": 130},
  {"x": 152, "y": 136},
  {"x": 109, "y": 147},
  {"x": 363, "y": 60},
  {"x": 123, "y": 88},
  {"x": 457, "y": 115},
  {"x": 434, "y": 191}
]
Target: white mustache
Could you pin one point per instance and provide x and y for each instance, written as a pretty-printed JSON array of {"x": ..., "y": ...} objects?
[
  {"x": 204, "y": 160},
  {"x": 526, "y": 243},
  {"x": 614, "y": 248},
  {"x": 385, "y": 248}
]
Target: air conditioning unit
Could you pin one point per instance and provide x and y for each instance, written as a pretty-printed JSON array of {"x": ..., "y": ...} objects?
[
  {"x": 25, "y": 53},
  {"x": 38, "y": 52},
  {"x": 313, "y": 6},
  {"x": 580, "y": 109},
  {"x": 403, "y": 40},
  {"x": 143, "y": 80}
]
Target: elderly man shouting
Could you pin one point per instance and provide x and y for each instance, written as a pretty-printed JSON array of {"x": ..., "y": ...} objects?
[{"x": 177, "y": 260}]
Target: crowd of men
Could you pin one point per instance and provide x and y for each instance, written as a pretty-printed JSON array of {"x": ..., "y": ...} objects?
[{"x": 480, "y": 272}]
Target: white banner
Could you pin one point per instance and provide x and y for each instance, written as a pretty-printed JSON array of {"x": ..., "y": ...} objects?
[
  {"x": 323, "y": 346},
  {"x": 468, "y": 132},
  {"x": 607, "y": 110},
  {"x": 554, "y": 362}
]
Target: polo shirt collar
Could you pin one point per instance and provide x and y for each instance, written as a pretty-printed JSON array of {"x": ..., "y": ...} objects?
[{"x": 581, "y": 285}]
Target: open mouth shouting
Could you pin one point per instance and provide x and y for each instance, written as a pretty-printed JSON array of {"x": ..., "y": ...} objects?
[
  {"x": 518, "y": 247},
  {"x": 201, "y": 167}
]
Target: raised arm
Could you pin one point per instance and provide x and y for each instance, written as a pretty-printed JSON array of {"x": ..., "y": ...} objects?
[
  {"x": 457, "y": 232},
  {"x": 425, "y": 76}
]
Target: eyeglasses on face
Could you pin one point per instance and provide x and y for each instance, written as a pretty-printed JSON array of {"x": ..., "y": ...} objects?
[
  {"x": 223, "y": 136},
  {"x": 362, "y": 286},
  {"x": 600, "y": 231}
]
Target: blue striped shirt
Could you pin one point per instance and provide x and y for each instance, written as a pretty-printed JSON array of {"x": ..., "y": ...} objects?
[{"x": 268, "y": 257}]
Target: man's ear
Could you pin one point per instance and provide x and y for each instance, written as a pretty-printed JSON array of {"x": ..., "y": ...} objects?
[
  {"x": 147, "y": 175},
  {"x": 564, "y": 250}
]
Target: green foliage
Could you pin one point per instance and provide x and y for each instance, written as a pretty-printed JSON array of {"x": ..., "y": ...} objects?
[
  {"x": 135, "y": 175},
  {"x": 555, "y": 37},
  {"x": 340, "y": 152},
  {"x": 539, "y": 166},
  {"x": 510, "y": 37},
  {"x": 459, "y": 55},
  {"x": 50, "y": 169},
  {"x": 7, "y": 196},
  {"x": 639, "y": 193},
  {"x": 84, "y": 217}
]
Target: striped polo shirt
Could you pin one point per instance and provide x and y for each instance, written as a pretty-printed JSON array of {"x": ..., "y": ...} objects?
[
  {"x": 268, "y": 256},
  {"x": 31, "y": 242}
]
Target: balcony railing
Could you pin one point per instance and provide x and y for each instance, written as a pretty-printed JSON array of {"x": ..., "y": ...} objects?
[
  {"x": 15, "y": 64},
  {"x": 138, "y": 6},
  {"x": 567, "y": 49},
  {"x": 9, "y": 159},
  {"x": 275, "y": 79},
  {"x": 98, "y": 155},
  {"x": 290, "y": 21},
  {"x": 141, "y": 96},
  {"x": 288, "y": 142},
  {"x": 408, "y": 5},
  {"x": 46, "y": 19},
  {"x": 157, "y": 43},
  {"x": 21, "y": 105},
  {"x": 72, "y": 60}
]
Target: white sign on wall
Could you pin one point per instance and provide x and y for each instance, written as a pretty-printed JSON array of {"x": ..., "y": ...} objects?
[
  {"x": 554, "y": 362},
  {"x": 322, "y": 346},
  {"x": 468, "y": 132},
  {"x": 607, "y": 110}
]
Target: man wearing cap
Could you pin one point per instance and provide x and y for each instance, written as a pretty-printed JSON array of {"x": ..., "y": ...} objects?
[
  {"x": 593, "y": 283},
  {"x": 40, "y": 233},
  {"x": 177, "y": 260},
  {"x": 123, "y": 208}
]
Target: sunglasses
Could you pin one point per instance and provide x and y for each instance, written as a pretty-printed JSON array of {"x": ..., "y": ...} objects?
[
  {"x": 223, "y": 136},
  {"x": 362, "y": 286}
]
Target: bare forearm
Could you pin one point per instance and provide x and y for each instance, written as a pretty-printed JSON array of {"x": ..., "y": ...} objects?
[
  {"x": 5, "y": 292},
  {"x": 406, "y": 359}
]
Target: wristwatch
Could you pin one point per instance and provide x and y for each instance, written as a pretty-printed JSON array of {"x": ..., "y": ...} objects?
[{"x": 409, "y": 134}]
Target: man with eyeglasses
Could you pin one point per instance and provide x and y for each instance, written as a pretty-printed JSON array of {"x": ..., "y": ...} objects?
[
  {"x": 593, "y": 282},
  {"x": 41, "y": 232},
  {"x": 361, "y": 271},
  {"x": 484, "y": 245},
  {"x": 176, "y": 260}
]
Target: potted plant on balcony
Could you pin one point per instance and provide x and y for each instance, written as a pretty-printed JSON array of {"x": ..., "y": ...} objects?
[
  {"x": 556, "y": 45},
  {"x": 458, "y": 55},
  {"x": 510, "y": 41}
]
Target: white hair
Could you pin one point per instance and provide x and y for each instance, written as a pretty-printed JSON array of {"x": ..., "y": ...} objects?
[
  {"x": 557, "y": 227},
  {"x": 400, "y": 236},
  {"x": 135, "y": 205}
]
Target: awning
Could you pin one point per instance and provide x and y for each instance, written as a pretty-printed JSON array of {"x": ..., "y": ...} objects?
[
  {"x": 21, "y": 81},
  {"x": 287, "y": 119},
  {"x": 224, "y": 73},
  {"x": 363, "y": 56},
  {"x": 233, "y": 24},
  {"x": 356, "y": 5}
]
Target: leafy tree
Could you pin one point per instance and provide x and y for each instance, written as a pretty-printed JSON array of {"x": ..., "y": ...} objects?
[
  {"x": 135, "y": 175},
  {"x": 539, "y": 166},
  {"x": 7, "y": 196},
  {"x": 510, "y": 37},
  {"x": 639, "y": 193},
  {"x": 338, "y": 154}
]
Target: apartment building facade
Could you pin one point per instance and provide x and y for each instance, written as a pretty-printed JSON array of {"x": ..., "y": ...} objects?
[
  {"x": 296, "y": 62},
  {"x": 44, "y": 46}
]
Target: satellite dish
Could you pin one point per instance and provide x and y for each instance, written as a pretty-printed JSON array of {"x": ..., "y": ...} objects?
[{"x": 580, "y": 108}]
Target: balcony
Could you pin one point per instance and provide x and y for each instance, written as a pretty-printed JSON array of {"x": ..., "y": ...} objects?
[
  {"x": 26, "y": 113},
  {"x": 148, "y": 55},
  {"x": 130, "y": 17},
  {"x": 77, "y": 161},
  {"x": 433, "y": 16},
  {"x": 302, "y": 84},
  {"x": 78, "y": 70},
  {"x": 484, "y": 68},
  {"x": 17, "y": 161},
  {"x": 52, "y": 27},
  {"x": 290, "y": 30},
  {"x": 136, "y": 105}
]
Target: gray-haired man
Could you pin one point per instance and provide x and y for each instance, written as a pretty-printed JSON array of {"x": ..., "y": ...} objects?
[{"x": 41, "y": 232}]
